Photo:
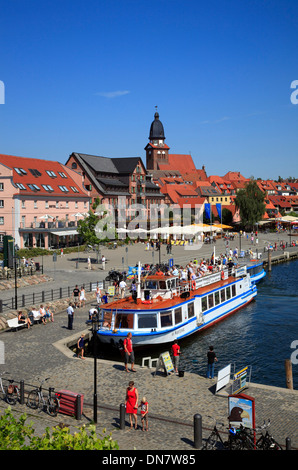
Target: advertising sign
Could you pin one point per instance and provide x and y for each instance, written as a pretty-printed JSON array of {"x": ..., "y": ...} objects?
[
  {"x": 240, "y": 380},
  {"x": 241, "y": 411}
]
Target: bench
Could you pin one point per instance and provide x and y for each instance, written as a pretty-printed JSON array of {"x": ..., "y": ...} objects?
[{"x": 14, "y": 324}]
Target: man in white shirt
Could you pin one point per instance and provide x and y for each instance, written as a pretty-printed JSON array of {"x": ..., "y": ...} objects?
[
  {"x": 70, "y": 313},
  {"x": 122, "y": 286}
]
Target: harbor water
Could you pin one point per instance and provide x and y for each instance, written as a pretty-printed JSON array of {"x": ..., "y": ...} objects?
[{"x": 259, "y": 335}]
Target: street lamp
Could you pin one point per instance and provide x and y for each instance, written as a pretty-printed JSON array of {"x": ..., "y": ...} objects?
[{"x": 95, "y": 325}]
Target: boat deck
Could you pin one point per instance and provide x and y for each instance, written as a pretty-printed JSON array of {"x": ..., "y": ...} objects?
[{"x": 128, "y": 303}]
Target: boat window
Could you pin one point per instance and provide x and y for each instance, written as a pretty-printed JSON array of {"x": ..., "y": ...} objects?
[
  {"x": 151, "y": 285},
  {"x": 124, "y": 320},
  {"x": 216, "y": 298},
  {"x": 204, "y": 304},
  {"x": 147, "y": 321},
  {"x": 222, "y": 295},
  {"x": 234, "y": 290},
  {"x": 210, "y": 301},
  {"x": 228, "y": 292},
  {"x": 191, "y": 310},
  {"x": 162, "y": 285},
  {"x": 178, "y": 315},
  {"x": 165, "y": 319}
]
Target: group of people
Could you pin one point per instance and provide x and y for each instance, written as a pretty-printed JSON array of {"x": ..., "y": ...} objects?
[
  {"x": 45, "y": 314},
  {"x": 131, "y": 407},
  {"x": 79, "y": 296}
]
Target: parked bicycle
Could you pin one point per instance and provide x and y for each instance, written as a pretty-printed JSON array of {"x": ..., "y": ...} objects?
[
  {"x": 266, "y": 441},
  {"x": 37, "y": 400},
  {"x": 11, "y": 392},
  {"x": 215, "y": 441},
  {"x": 241, "y": 438}
]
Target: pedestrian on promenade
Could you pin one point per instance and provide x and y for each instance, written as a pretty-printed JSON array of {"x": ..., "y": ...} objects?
[
  {"x": 76, "y": 293},
  {"x": 23, "y": 320},
  {"x": 144, "y": 413},
  {"x": 103, "y": 262},
  {"x": 82, "y": 296},
  {"x": 49, "y": 314},
  {"x": 89, "y": 262},
  {"x": 129, "y": 353},
  {"x": 211, "y": 357},
  {"x": 81, "y": 346},
  {"x": 122, "y": 286},
  {"x": 42, "y": 314},
  {"x": 176, "y": 355},
  {"x": 98, "y": 295},
  {"x": 131, "y": 403},
  {"x": 70, "y": 314}
]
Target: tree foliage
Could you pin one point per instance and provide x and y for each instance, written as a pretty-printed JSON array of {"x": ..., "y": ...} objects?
[
  {"x": 15, "y": 434},
  {"x": 250, "y": 202}
]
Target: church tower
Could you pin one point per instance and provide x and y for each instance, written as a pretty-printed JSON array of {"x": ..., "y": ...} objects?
[{"x": 156, "y": 150}]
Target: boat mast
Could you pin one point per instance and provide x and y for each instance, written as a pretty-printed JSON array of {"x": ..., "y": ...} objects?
[{"x": 139, "y": 281}]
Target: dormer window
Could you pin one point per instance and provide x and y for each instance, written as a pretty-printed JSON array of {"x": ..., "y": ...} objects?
[
  {"x": 51, "y": 174},
  {"x": 20, "y": 171}
]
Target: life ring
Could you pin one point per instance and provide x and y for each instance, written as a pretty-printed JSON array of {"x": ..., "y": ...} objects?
[
  {"x": 193, "y": 285},
  {"x": 222, "y": 275}
]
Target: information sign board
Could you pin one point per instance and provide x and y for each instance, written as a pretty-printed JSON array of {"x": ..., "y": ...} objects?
[
  {"x": 165, "y": 362},
  {"x": 241, "y": 411}
]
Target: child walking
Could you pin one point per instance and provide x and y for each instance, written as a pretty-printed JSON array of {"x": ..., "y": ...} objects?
[{"x": 144, "y": 413}]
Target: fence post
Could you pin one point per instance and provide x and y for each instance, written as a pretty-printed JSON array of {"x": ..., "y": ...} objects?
[
  {"x": 1, "y": 307},
  {"x": 197, "y": 421},
  {"x": 42, "y": 296},
  {"x": 23, "y": 300},
  {"x": 60, "y": 292},
  {"x": 22, "y": 392},
  {"x": 52, "y": 294},
  {"x": 122, "y": 416}
]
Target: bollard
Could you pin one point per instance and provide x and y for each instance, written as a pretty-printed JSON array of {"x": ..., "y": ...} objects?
[
  {"x": 197, "y": 421},
  {"x": 122, "y": 416},
  {"x": 78, "y": 408},
  {"x": 22, "y": 392},
  {"x": 1, "y": 307},
  {"x": 288, "y": 443}
]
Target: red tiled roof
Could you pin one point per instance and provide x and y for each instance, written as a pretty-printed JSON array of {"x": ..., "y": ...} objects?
[
  {"x": 39, "y": 176},
  {"x": 182, "y": 163}
]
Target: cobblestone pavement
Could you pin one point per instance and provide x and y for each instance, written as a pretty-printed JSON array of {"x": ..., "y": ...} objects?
[{"x": 40, "y": 352}]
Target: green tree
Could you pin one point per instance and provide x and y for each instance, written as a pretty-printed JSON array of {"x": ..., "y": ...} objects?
[
  {"x": 250, "y": 202},
  {"x": 15, "y": 434}
]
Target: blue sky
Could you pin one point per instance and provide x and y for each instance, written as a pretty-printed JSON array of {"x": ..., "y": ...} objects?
[{"x": 85, "y": 76}]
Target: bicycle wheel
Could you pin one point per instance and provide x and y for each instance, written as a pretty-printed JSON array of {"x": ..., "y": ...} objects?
[
  {"x": 211, "y": 442},
  {"x": 33, "y": 399},
  {"x": 53, "y": 406},
  {"x": 12, "y": 395}
]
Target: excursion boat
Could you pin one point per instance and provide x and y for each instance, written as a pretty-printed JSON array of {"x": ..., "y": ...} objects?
[
  {"x": 165, "y": 308},
  {"x": 255, "y": 269}
]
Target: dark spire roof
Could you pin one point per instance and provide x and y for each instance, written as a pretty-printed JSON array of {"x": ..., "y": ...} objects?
[{"x": 156, "y": 129}]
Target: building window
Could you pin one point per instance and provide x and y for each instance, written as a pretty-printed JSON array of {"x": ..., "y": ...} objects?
[
  {"x": 23, "y": 204},
  {"x": 47, "y": 204},
  {"x": 35, "y": 204},
  {"x": 1, "y": 203},
  {"x": 1, "y": 220},
  {"x": 1, "y": 186},
  {"x": 76, "y": 204}
]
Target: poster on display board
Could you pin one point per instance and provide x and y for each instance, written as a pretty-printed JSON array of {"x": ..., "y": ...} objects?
[{"x": 241, "y": 411}]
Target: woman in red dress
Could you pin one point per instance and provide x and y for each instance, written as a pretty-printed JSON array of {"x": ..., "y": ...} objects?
[{"x": 131, "y": 403}]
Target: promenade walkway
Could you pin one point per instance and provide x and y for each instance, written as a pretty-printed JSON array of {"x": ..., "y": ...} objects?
[{"x": 40, "y": 352}]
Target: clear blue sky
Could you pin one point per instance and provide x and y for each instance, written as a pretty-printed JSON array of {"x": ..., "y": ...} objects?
[{"x": 85, "y": 76}]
